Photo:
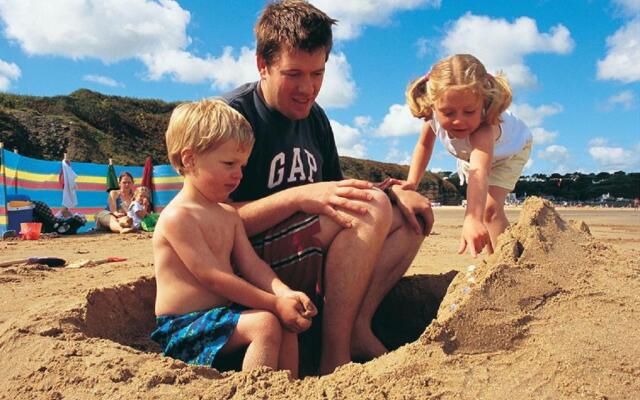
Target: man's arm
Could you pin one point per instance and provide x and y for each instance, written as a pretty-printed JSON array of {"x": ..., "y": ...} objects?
[{"x": 314, "y": 198}]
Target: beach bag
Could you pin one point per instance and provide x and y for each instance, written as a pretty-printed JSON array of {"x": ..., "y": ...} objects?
[{"x": 149, "y": 222}]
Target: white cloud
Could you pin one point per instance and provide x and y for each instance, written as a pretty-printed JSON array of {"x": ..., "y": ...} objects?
[
  {"x": 555, "y": 154},
  {"x": 154, "y": 32},
  {"x": 502, "y": 45},
  {"x": 109, "y": 30},
  {"x": 543, "y": 136},
  {"x": 622, "y": 61},
  {"x": 102, "y": 80},
  {"x": 629, "y": 6},
  {"x": 224, "y": 72},
  {"x": 615, "y": 158},
  {"x": 597, "y": 142},
  {"x": 362, "y": 121},
  {"x": 626, "y": 99},
  {"x": 8, "y": 72},
  {"x": 399, "y": 122},
  {"x": 423, "y": 46},
  {"x": 353, "y": 15},
  {"x": 338, "y": 89},
  {"x": 533, "y": 116},
  {"x": 397, "y": 156},
  {"x": 348, "y": 140}
]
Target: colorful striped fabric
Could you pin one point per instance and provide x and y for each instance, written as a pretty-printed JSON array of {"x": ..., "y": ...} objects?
[{"x": 38, "y": 179}]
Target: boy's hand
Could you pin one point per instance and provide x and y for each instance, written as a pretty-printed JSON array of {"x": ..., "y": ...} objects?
[
  {"x": 475, "y": 237},
  {"x": 291, "y": 312},
  {"x": 308, "y": 309}
]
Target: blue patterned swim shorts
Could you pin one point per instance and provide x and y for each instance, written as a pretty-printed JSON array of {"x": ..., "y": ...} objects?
[{"x": 198, "y": 336}]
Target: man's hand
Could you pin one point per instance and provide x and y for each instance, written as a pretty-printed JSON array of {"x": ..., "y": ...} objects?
[
  {"x": 414, "y": 206},
  {"x": 295, "y": 310},
  {"x": 325, "y": 197},
  {"x": 475, "y": 237}
]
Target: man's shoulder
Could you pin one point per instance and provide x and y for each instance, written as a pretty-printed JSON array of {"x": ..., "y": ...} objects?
[{"x": 239, "y": 95}]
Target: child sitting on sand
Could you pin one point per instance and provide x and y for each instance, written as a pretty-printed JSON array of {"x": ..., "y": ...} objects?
[
  {"x": 139, "y": 208},
  {"x": 203, "y": 308},
  {"x": 465, "y": 107}
]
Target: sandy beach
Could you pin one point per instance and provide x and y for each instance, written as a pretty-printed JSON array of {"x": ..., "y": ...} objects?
[{"x": 554, "y": 313}]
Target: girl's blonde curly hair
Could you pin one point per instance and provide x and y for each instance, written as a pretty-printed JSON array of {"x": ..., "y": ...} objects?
[{"x": 460, "y": 71}]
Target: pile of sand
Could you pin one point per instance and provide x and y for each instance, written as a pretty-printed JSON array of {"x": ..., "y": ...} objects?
[{"x": 552, "y": 314}]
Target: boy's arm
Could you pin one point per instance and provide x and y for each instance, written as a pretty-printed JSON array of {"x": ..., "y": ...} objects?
[
  {"x": 256, "y": 271},
  {"x": 187, "y": 240},
  {"x": 474, "y": 232},
  {"x": 313, "y": 198},
  {"x": 421, "y": 156}
]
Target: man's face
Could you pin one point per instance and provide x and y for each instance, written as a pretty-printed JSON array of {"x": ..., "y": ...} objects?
[{"x": 292, "y": 82}]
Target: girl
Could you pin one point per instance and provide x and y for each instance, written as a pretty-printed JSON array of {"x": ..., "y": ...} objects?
[
  {"x": 464, "y": 106},
  {"x": 139, "y": 208}
]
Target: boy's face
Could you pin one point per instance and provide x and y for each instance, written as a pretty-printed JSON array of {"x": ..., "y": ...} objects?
[
  {"x": 292, "y": 82},
  {"x": 217, "y": 172}
]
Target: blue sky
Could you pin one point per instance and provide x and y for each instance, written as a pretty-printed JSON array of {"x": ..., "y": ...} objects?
[{"x": 574, "y": 64}]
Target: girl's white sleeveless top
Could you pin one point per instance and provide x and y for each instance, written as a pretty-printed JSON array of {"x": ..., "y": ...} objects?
[{"x": 514, "y": 137}]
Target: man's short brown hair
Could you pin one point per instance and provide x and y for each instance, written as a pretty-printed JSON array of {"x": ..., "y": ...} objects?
[{"x": 292, "y": 25}]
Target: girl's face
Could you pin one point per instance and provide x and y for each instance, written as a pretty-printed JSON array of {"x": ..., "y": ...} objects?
[
  {"x": 459, "y": 111},
  {"x": 141, "y": 196}
]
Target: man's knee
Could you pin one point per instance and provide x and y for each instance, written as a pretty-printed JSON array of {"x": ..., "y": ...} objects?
[{"x": 379, "y": 207}]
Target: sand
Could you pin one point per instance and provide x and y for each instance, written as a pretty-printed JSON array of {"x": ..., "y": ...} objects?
[{"x": 554, "y": 313}]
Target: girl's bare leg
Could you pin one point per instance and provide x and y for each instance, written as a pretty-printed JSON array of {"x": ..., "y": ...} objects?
[{"x": 494, "y": 215}]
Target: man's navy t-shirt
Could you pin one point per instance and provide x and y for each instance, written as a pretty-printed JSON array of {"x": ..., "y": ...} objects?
[{"x": 286, "y": 153}]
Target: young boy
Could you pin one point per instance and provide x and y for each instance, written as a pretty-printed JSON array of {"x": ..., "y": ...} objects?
[{"x": 200, "y": 244}]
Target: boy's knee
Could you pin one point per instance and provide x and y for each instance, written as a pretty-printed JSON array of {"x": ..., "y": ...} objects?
[{"x": 268, "y": 328}]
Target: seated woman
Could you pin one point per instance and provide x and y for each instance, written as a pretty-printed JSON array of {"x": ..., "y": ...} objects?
[{"x": 114, "y": 217}]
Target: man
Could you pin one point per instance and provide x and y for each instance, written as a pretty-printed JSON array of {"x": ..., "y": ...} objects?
[{"x": 311, "y": 226}]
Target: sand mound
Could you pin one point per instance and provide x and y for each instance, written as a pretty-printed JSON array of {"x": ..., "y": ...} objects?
[{"x": 552, "y": 314}]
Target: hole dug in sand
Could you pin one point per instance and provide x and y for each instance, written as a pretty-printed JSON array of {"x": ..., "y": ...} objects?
[{"x": 124, "y": 314}]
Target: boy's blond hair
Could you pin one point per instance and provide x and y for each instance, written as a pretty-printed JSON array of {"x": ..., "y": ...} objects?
[
  {"x": 202, "y": 125},
  {"x": 292, "y": 25},
  {"x": 460, "y": 71}
]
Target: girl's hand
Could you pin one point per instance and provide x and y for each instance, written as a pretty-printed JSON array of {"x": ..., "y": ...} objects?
[
  {"x": 475, "y": 237},
  {"x": 405, "y": 185}
]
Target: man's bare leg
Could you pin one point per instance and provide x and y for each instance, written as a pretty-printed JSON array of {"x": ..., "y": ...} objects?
[
  {"x": 351, "y": 256},
  {"x": 398, "y": 251}
]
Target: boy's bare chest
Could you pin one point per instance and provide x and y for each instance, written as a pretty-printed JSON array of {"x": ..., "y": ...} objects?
[{"x": 219, "y": 234}]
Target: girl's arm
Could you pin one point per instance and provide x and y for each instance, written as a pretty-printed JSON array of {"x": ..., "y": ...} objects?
[
  {"x": 421, "y": 156},
  {"x": 475, "y": 235}
]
